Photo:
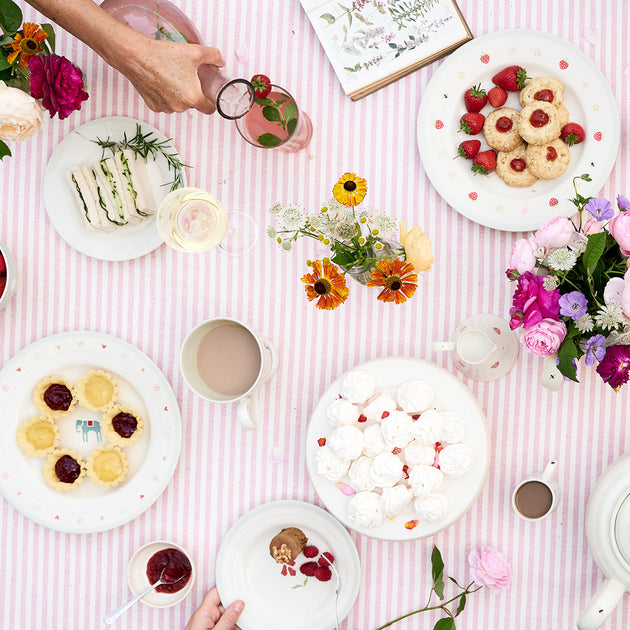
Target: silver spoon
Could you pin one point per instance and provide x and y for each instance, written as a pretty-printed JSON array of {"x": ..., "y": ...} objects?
[
  {"x": 337, "y": 589},
  {"x": 165, "y": 578}
]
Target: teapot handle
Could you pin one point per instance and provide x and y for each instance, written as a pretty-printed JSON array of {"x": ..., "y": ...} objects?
[{"x": 601, "y": 605}]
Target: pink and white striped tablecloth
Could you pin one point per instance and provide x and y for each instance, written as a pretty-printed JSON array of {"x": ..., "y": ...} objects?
[{"x": 61, "y": 581}]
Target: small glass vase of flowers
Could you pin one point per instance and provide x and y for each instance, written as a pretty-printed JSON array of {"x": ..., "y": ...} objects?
[
  {"x": 572, "y": 294},
  {"x": 361, "y": 244}
]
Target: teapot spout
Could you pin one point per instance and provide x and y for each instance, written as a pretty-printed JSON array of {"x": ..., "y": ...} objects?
[{"x": 601, "y": 605}]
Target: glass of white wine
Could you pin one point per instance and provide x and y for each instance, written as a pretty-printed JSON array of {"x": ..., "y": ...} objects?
[{"x": 192, "y": 220}]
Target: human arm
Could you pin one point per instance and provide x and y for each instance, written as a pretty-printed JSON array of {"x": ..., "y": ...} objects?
[
  {"x": 163, "y": 72},
  {"x": 209, "y": 616}
]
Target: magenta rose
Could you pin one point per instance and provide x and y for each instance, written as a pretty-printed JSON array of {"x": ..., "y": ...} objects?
[
  {"x": 532, "y": 302},
  {"x": 614, "y": 368},
  {"x": 522, "y": 257},
  {"x": 555, "y": 233},
  {"x": 619, "y": 227},
  {"x": 489, "y": 568},
  {"x": 58, "y": 83},
  {"x": 545, "y": 337}
]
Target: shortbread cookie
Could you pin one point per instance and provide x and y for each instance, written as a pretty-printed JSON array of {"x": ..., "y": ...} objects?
[
  {"x": 539, "y": 123},
  {"x": 548, "y": 160},
  {"x": 501, "y": 129},
  {"x": 563, "y": 114},
  {"x": 513, "y": 169},
  {"x": 545, "y": 89}
]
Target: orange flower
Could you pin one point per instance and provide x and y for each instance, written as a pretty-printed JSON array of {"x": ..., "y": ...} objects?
[
  {"x": 398, "y": 279},
  {"x": 28, "y": 44},
  {"x": 350, "y": 189},
  {"x": 326, "y": 285}
]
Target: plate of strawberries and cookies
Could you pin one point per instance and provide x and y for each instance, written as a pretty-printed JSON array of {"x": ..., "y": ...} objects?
[{"x": 524, "y": 112}]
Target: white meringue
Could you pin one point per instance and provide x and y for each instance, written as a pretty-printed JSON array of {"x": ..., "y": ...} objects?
[
  {"x": 386, "y": 470},
  {"x": 359, "y": 474},
  {"x": 453, "y": 427},
  {"x": 329, "y": 465},
  {"x": 346, "y": 442},
  {"x": 394, "y": 500},
  {"x": 342, "y": 411},
  {"x": 357, "y": 386},
  {"x": 432, "y": 508},
  {"x": 417, "y": 454},
  {"x": 456, "y": 459},
  {"x": 396, "y": 429},
  {"x": 365, "y": 509},
  {"x": 415, "y": 396},
  {"x": 428, "y": 428},
  {"x": 381, "y": 404},
  {"x": 424, "y": 480},
  {"x": 374, "y": 442}
]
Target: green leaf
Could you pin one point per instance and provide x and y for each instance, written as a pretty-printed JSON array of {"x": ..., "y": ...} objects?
[
  {"x": 461, "y": 605},
  {"x": 271, "y": 113},
  {"x": 4, "y": 64},
  {"x": 329, "y": 17},
  {"x": 4, "y": 150},
  {"x": 437, "y": 571},
  {"x": 343, "y": 259},
  {"x": 291, "y": 125},
  {"x": 10, "y": 16},
  {"x": 566, "y": 353},
  {"x": 290, "y": 110},
  {"x": 444, "y": 624},
  {"x": 50, "y": 40},
  {"x": 5, "y": 39},
  {"x": 269, "y": 140},
  {"x": 594, "y": 250}
]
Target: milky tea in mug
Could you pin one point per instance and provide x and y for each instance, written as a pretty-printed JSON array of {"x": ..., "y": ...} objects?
[{"x": 533, "y": 499}]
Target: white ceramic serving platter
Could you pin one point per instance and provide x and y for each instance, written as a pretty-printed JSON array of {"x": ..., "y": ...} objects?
[
  {"x": 245, "y": 570},
  {"x": 451, "y": 395},
  {"x": 152, "y": 459},
  {"x": 77, "y": 149},
  {"x": 487, "y": 199}
]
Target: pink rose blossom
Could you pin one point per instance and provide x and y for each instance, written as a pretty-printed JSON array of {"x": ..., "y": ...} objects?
[
  {"x": 522, "y": 257},
  {"x": 619, "y": 227},
  {"x": 58, "y": 83},
  {"x": 489, "y": 568},
  {"x": 545, "y": 337},
  {"x": 558, "y": 232}
]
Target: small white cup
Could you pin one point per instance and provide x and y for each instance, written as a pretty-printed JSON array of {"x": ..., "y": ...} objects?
[
  {"x": 12, "y": 276},
  {"x": 247, "y": 411},
  {"x": 544, "y": 487}
]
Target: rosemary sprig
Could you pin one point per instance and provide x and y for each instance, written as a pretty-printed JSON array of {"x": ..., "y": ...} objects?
[{"x": 143, "y": 145}]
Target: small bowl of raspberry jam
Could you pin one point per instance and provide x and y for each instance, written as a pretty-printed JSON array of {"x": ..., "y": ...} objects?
[
  {"x": 146, "y": 566},
  {"x": 8, "y": 275}
]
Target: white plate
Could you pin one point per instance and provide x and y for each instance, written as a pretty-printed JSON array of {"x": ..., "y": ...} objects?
[
  {"x": 486, "y": 199},
  {"x": 451, "y": 395},
  {"x": 76, "y": 149},
  {"x": 152, "y": 459},
  {"x": 246, "y": 571}
]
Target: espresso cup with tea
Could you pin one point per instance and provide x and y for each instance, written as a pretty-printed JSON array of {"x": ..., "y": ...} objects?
[
  {"x": 537, "y": 495},
  {"x": 224, "y": 361}
]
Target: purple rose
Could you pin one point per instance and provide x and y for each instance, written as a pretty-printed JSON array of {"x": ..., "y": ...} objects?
[
  {"x": 614, "y": 368},
  {"x": 58, "y": 83},
  {"x": 489, "y": 568},
  {"x": 533, "y": 301},
  {"x": 545, "y": 337}
]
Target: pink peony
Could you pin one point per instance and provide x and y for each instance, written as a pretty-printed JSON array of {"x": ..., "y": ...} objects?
[
  {"x": 558, "y": 232},
  {"x": 619, "y": 227},
  {"x": 545, "y": 337},
  {"x": 58, "y": 83},
  {"x": 522, "y": 257},
  {"x": 614, "y": 368},
  {"x": 489, "y": 568},
  {"x": 532, "y": 302}
]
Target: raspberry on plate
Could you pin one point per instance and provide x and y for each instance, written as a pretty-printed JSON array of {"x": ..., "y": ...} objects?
[
  {"x": 326, "y": 558},
  {"x": 309, "y": 568},
  {"x": 323, "y": 574},
  {"x": 311, "y": 551}
]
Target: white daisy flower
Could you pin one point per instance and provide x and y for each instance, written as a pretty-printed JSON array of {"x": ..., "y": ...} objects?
[
  {"x": 585, "y": 323},
  {"x": 562, "y": 259},
  {"x": 275, "y": 208},
  {"x": 271, "y": 232},
  {"x": 384, "y": 224},
  {"x": 609, "y": 316},
  {"x": 550, "y": 283},
  {"x": 345, "y": 229},
  {"x": 286, "y": 245},
  {"x": 291, "y": 218}
]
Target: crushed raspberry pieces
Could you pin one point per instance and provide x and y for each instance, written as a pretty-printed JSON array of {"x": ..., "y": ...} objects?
[
  {"x": 322, "y": 441},
  {"x": 411, "y": 524},
  {"x": 385, "y": 414},
  {"x": 396, "y": 450},
  {"x": 415, "y": 416},
  {"x": 362, "y": 418},
  {"x": 438, "y": 446},
  {"x": 311, "y": 551},
  {"x": 284, "y": 569},
  {"x": 292, "y": 571},
  {"x": 406, "y": 471}
]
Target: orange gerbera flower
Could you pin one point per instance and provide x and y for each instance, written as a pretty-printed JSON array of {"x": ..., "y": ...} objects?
[
  {"x": 350, "y": 190},
  {"x": 326, "y": 285},
  {"x": 28, "y": 44},
  {"x": 397, "y": 277}
]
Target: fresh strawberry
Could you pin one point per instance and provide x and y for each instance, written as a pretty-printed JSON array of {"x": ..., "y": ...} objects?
[
  {"x": 3, "y": 265},
  {"x": 468, "y": 149},
  {"x": 484, "y": 162},
  {"x": 323, "y": 574},
  {"x": 475, "y": 99},
  {"x": 572, "y": 133},
  {"x": 309, "y": 568},
  {"x": 325, "y": 559},
  {"x": 3, "y": 284},
  {"x": 311, "y": 551},
  {"x": 497, "y": 97},
  {"x": 471, "y": 123},
  {"x": 262, "y": 85},
  {"x": 511, "y": 78}
]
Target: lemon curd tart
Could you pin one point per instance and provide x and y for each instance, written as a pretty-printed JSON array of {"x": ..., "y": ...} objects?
[
  {"x": 37, "y": 436},
  {"x": 107, "y": 466},
  {"x": 97, "y": 391}
]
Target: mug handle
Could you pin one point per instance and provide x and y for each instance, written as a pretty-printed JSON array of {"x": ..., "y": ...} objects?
[
  {"x": 441, "y": 346},
  {"x": 247, "y": 411}
]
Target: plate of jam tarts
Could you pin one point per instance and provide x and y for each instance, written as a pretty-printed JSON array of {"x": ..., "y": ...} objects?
[
  {"x": 91, "y": 432},
  {"x": 540, "y": 182}
]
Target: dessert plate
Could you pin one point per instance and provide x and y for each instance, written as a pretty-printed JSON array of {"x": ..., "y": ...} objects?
[
  {"x": 245, "y": 569},
  {"x": 487, "y": 199},
  {"x": 451, "y": 395},
  {"x": 152, "y": 459},
  {"x": 76, "y": 149}
]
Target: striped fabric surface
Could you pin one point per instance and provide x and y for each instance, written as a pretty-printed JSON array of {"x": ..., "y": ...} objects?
[{"x": 58, "y": 581}]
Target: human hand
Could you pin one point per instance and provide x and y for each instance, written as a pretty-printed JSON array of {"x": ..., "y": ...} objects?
[{"x": 211, "y": 616}]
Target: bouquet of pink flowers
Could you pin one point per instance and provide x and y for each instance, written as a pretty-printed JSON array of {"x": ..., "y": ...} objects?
[{"x": 572, "y": 294}]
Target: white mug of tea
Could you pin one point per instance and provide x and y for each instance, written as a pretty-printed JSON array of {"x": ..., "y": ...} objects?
[
  {"x": 223, "y": 360},
  {"x": 537, "y": 495}
]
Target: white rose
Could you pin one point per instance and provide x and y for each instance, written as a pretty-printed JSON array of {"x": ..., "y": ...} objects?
[{"x": 20, "y": 114}]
